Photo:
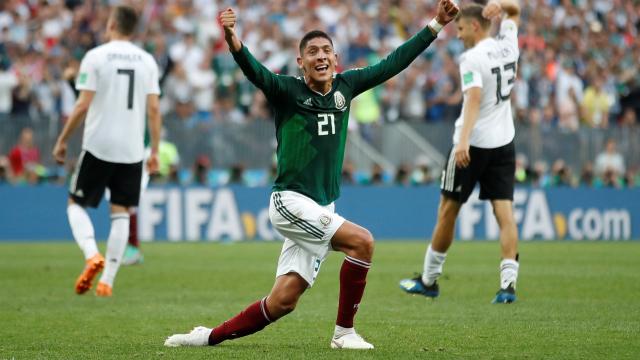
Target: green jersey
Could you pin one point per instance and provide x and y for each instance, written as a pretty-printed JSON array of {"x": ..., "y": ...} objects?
[{"x": 311, "y": 128}]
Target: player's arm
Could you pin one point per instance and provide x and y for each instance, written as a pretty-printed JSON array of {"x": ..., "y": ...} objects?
[
  {"x": 259, "y": 75},
  {"x": 470, "y": 110},
  {"x": 75, "y": 119},
  {"x": 363, "y": 79},
  {"x": 510, "y": 8},
  {"x": 155, "y": 123}
]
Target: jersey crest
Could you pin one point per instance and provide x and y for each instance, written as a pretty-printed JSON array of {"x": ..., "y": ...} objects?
[{"x": 340, "y": 100}]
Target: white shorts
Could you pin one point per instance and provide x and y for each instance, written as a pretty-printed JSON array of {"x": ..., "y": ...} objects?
[{"x": 307, "y": 227}]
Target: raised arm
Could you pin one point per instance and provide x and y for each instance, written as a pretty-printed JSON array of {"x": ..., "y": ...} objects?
[
  {"x": 259, "y": 75},
  {"x": 228, "y": 21},
  {"x": 510, "y": 8},
  {"x": 399, "y": 59}
]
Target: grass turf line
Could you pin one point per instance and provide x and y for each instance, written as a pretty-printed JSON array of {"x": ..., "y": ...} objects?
[{"x": 575, "y": 301}]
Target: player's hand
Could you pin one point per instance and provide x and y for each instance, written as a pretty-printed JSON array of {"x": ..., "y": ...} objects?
[
  {"x": 153, "y": 164},
  {"x": 228, "y": 20},
  {"x": 492, "y": 10},
  {"x": 59, "y": 152},
  {"x": 447, "y": 11},
  {"x": 461, "y": 153}
]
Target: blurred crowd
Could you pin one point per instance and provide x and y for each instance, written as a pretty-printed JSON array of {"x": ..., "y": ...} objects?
[{"x": 579, "y": 68}]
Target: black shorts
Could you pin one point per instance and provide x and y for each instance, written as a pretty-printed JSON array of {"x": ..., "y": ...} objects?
[
  {"x": 493, "y": 168},
  {"x": 93, "y": 175}
]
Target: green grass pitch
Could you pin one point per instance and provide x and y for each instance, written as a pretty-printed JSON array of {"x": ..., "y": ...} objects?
[{"x": 576, "y": 301}]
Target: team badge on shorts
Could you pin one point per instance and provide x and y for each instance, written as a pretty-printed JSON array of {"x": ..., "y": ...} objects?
[
  {"x": 325, "y": 220},
  {"x": 339, "y": 99}
]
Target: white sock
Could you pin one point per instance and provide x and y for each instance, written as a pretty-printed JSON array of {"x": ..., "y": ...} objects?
[
  {"x": 82, "y": 229},
  {"x": 341, "y": 331},
  {"x": 118, "y": 237},
  {"x": 508, "y": 273},
  {"x": 433, "y": 262}
]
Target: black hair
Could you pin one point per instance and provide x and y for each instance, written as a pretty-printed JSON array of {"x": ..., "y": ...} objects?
[{"x": 312, "y": 35}]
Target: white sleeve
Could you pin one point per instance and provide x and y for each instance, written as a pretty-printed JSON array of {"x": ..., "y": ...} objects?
[
  {"x": 88, "y": 75},
  {"x": 509, "y": 32},
  {"x": 154, "y": 79},
  {"x": 470, "y": 75}
]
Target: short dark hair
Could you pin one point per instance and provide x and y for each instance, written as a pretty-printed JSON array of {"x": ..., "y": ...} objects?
[
  {"x": 312, "y": 35},
  {"x": 126, "y": 19},
  {"x": 474, "y": 12}
]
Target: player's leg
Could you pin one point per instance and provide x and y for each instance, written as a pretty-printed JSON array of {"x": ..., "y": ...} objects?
[
  {"x": 116, "y": 243},
  {"x": 441, "y": 239},
  {"x": 125, "y": 193},
  {"x": 357, "y": 243},
  {"x": 497, "y": 185},
  {"x": 298, "y": 266},
  {"x": 133, "y": 253},
  {"x": 281, "y": 301},
  {"x": 503, "y": 209},
  {"x": 86, "y": 189},
  {"x": 456, "y": 186}
]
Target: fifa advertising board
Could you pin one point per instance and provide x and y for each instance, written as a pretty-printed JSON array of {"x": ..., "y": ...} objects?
[{"x": 390, "y": 213}]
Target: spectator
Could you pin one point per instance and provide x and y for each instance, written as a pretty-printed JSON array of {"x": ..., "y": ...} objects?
[
  {"x": 201, "y": 170},
  {"x": 347, "y": 173},
  {"x": 610, "y": 160},
  {"x": 595, "y": 105},
  {"x": 24, "y": 155},
  {"x": 377, "y": 175},
  {"x": 561, "y": 174},
  {"x": 8, "y": 81},
  {"x": 587, "y": 176},
  {"x": 422, "y": 172},
  {"x": 5, "y": 171},
  {"x": 569, "y": 93},
  {"x": 403, "y": 175}
]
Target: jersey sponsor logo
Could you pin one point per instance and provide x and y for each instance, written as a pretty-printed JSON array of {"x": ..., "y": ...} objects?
[
  {"x": 325, "y": 220},
  {"x": 82, "y": 78},
  {"x": 340, "y": 100},
  {"x": 307, "y": 102},
  {"x": 467, "y": 78}
]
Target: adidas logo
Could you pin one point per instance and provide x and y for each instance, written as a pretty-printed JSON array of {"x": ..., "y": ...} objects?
[
  {"x": 307, "y": 102},
  {"x": 79, "y": 193}
]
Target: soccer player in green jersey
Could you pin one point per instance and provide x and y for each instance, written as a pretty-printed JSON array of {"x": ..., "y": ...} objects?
[{"x": 311, "y": 114}]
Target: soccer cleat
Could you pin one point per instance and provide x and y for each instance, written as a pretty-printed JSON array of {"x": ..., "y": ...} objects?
[
  {"x": 505, "y": 296},
  {"x": 416, "y": 286},
  {"x": 91, "y": 269},
  {"x": 199, "y": 336},
  {"x": 132, "y": 256},
  {"x": 350, "y": 341},
  {"x": 104, "y": 290}
]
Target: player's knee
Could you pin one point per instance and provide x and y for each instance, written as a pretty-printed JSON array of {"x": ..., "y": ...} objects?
[
  {"x": 365, "y": 245},
  {"x": 283, "y": 305}
]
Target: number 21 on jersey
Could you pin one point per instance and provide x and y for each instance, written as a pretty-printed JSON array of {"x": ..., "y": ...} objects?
[{"x": 323, "y": 124}]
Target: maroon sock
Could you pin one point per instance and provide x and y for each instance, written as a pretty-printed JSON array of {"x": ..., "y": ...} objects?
[
  {"x": 252, "y": 319},
  {"x": 353, "y": 278},
  {"x": 133, "y": 230}
]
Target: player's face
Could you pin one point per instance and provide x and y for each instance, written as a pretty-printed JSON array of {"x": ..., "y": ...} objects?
[
  {"x": 318, "y": 60},
  {"x": 466, "y": 32}
]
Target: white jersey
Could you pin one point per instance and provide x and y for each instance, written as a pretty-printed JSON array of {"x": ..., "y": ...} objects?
[
  {"x": 121, "y": 75},
  {"x": 491, "y": 65}
]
